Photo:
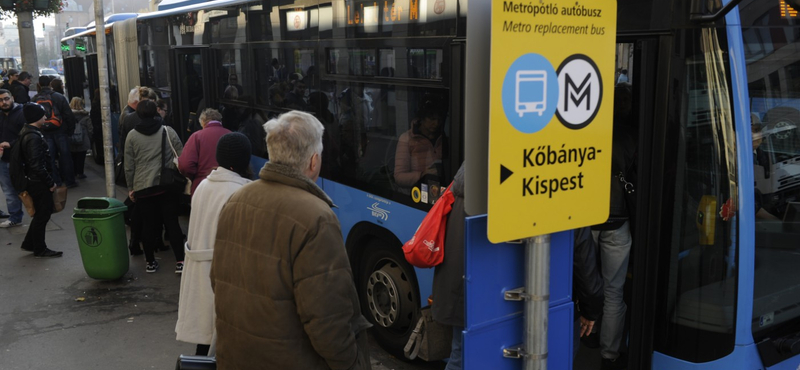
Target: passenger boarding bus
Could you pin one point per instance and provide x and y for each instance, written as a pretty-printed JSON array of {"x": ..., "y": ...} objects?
[{"x": 715, "y": 89}]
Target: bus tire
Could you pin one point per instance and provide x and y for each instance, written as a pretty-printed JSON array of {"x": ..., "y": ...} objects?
[{"x": 389, "y": 295}]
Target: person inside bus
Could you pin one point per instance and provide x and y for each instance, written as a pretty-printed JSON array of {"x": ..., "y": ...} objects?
[
  {"x": 418, "y": 158},
  {"x": 614, "y": 236},
  {"x": 232, "y": 115},
  {"x": 296, "y": 99},
  {"x": 233, "y": 81},
  {"x": 351, "y": 129},
  {"x": 254, "y": 131}
]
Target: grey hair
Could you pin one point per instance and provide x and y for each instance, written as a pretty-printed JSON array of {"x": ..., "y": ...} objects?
[
  {"x": 293, "y": 138},
  {"x": 133, "y": 96},
  {"x": 210, "y": 114}
]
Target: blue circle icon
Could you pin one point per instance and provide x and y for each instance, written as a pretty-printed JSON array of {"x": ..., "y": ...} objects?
[{"x": 530, "y": 93}]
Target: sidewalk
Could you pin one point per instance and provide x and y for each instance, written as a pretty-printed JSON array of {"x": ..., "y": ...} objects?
[{"x": 54, "y": 316}]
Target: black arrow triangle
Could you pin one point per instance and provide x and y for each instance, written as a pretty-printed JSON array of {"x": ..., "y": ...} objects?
[{"x": 505, "y": 173}]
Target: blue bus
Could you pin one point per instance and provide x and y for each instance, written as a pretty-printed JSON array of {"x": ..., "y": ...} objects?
[{"x": 714, "y": 91}]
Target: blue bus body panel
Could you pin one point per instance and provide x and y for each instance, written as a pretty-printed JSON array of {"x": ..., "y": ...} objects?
[
  {"x": 492, "y": 323},
  {"x": 256, "y": 163},
  {"x": 746, "y": 214},
  {"x": 742, "y": 358},
  {"x": 483, "y": 346},
  {"x": 355, "y": 206}
]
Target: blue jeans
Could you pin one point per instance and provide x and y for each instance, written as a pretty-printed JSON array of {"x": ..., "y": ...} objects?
[
  {"x": 615, "y": 248},
  {"x": 12, "y": 199},
  {"x": 58, "y": 145},
  {"x": 456, "y": 358}
]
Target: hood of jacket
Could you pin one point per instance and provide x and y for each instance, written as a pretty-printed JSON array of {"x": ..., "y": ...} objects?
[
  {"x": 148, "y": 126},
  {"x": 221, "y": 174}
]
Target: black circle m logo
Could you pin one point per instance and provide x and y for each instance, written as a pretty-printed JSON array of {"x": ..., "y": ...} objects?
[{"x": 580, "y": 91}]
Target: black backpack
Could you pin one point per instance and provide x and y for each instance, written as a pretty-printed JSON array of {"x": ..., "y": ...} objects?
[{"x": 16, "y": 166}]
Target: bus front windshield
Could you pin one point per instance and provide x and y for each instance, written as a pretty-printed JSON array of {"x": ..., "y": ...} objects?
[{"x": 771, "y": 36}]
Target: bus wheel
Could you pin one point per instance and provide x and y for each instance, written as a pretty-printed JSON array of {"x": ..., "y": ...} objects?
[{"x": 389, "y": 295}]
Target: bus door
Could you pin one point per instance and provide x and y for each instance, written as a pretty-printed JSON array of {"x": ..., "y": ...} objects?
[
  {"x": 637, "y": 89},
  {"x": 685, "y": 309},
  {"x": 191, "y": 91},
  {"x": 94, "y": 78},
  {"x": 75, "y": 75}
]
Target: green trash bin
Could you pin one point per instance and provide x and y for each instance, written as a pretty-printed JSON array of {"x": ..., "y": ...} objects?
[{"x": 100, "y": 228}]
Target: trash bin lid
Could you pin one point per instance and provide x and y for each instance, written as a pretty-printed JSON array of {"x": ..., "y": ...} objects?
[{"x": 99, "y": 205}]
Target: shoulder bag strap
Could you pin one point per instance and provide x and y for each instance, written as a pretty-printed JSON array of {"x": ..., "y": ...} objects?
[
  {"x": 415, "y": 340},
  {"x": 175, "y": 153},
  {"x": 163, "y": 156}
]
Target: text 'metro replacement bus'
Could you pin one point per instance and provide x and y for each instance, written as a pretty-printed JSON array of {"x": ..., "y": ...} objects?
[{"x": 716, "y": 106}]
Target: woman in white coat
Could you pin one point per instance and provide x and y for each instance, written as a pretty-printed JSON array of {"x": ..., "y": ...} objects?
[{"x": 196, "y": 305}]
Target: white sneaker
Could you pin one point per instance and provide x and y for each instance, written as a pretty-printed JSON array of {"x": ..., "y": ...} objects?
[{"x": 8, "y": 223}]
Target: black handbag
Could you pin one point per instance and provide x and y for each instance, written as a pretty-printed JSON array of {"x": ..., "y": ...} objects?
[
  {"x": 196, "y": 363},
  {"x": 171, "y": 178}
]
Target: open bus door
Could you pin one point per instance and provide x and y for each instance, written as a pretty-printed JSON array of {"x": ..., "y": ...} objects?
[
  {"x": 193, "y": 75},
  {"x": 75, "y": 76}
]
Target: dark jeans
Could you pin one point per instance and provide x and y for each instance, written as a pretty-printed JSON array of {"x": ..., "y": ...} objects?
[
  {"x": 166, "y": 205},
  {"x": 43, "y": 203},
  {"x": 78, "y": 160},
  {"x": 58, "y": 145}
]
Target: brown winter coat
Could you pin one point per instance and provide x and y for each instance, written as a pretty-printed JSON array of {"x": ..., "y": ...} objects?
[{"x": 284, "y": 292}]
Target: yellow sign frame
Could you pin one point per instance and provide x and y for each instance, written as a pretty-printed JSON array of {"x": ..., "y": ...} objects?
[{"x": 551, "y": 111}]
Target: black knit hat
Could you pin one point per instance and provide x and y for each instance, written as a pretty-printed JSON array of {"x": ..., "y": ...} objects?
[
  {"x": 233, "y": 152},
  {"x": 32, "y": 112}
]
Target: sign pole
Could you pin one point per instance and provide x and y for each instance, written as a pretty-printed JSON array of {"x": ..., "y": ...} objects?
[
  {"x": 537, "y": 283},
  {"x": 105, "y": 100}
]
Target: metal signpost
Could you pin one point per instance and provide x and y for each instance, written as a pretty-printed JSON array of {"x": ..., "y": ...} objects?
[{"x": 550, "y": 112}]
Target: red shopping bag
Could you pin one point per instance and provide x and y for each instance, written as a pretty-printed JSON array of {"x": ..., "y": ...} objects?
[{"x": 426, "y": 248}]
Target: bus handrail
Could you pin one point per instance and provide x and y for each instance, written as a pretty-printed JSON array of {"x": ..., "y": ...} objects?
[{"x": 698, "y": 16}]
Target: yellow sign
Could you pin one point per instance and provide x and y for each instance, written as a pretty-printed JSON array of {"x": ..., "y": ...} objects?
[{"x": 551, "y": 110}]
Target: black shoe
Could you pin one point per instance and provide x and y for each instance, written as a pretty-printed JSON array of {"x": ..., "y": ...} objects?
[
  {"x": 618, "y": 363},
  {"x": 47, "y": 253},
  {"x": 591, "y": 341},
  {"x": 4, "y": 215}
]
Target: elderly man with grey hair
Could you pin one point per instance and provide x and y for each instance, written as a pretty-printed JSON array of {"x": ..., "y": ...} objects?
[{"x": 284, "y": 292}]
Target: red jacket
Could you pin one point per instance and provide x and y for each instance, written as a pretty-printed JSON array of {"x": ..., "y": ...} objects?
[{"x": 199, "y": 155}]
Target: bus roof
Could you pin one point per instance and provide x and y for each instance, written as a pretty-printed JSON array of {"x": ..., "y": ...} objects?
[{"x": 193, "y": 7}]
